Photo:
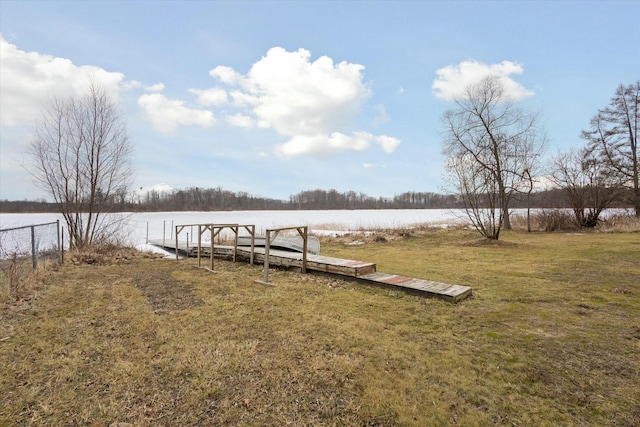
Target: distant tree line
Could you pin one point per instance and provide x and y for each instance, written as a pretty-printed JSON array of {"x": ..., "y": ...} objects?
[{"x": 218, "y": 199}]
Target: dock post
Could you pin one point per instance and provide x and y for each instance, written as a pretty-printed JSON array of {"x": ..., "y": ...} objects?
[
  {"x": 235, "y": 243},
  {"x": 266, "y": 258},
  {"x": 265, "y": 277},
  {"x": 212, "y": 228},
  {"x": 253, "y": 241},
  {"x": 304, "y": 231}
]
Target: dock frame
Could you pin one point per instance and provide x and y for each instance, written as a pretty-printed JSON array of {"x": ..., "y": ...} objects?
[{"x": 362, "y": 271}]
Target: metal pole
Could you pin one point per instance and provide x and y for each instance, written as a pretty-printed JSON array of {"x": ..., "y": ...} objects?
[
  {"x": 171, "y": 237},
  {"x": 176, "y": 240},
  {"x": 59, "y": 242},
  {"x": 33, "y": 248},
  {"x": 199, "y": 242},
  {"x": 147, "y": 240}
]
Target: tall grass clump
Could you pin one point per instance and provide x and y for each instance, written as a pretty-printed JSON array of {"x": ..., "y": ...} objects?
[
  {"x": 556, "y": 220},
  {"x": 18, "y": 279},
  {"x": 547, "y": 220},
  {"x": 624, "y": 222}
]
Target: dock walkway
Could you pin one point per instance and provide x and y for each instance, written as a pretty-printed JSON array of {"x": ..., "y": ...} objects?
[{"x": 360, "y": 270}]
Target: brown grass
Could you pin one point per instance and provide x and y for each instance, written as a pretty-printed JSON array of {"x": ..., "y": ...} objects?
[
  {"x": 18, "y": 280},
  {"x": 550, "y": 337}
]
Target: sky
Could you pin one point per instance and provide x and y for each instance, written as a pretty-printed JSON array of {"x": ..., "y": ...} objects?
[{"x": 274, "y": 98}]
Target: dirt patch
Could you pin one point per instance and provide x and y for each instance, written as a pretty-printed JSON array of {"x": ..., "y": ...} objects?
[{"x": 164, "y": 292}]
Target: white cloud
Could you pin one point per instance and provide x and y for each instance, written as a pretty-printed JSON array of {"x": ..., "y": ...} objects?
[
  {"x": 452, "y": 80},
  {"x": 299, "y": 97},
  {"x": 373, "y": 165},
  {"x": 158, "y": 188},
  {"x": 209, "y": 97},
  {"x": 131, "y": 84},
  {"x": 242, "y": 99},
  {"x": 388, "y": 143},
  {"x": 319, "y": 144},
  {"x": 158, "y": 87},
  {"x": 226, "y": 75},
  {"x": 240, "y": 120},
  {"x": 135, "y": 84},
  {"x": 336, "y": 142},
  {"x": 29, "y": 79},
  {"x": 166, "y": 114},
  {"x": 312, "y": 103}
]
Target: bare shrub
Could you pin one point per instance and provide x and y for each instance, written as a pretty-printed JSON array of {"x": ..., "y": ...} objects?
[
  {"x": 107, "y": 253},
  {"x": 620, "y": 223},
  {"x": 18, "y": 280},
  {"x": 555, "y": 220}
]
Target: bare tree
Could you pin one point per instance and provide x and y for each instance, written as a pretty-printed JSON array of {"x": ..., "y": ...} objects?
[
  {"x": 588, "y": 182},
  {"x": 479, "y": 193},
  {"x": 81, "y": 156},
  {"x": 613, "y": 138},
  {"x": 502, "y": 142}
]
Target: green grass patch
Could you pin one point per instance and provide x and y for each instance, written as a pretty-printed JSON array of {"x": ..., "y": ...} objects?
[{"x": 551, "y": 336}]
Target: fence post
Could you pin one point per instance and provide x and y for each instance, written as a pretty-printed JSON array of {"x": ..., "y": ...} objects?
[
  {"x": 59, "y": 241},
  {"x": 176, "y": 240},
  {"x": 33, "y": 248},
  {"x": 199, "y": 242}
]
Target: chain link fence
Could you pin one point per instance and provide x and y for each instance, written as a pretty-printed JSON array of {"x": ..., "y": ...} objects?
[{"x": 23, "y": 250}]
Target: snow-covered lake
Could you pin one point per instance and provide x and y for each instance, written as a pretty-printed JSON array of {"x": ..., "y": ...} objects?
[{"x": 157, "y": 225}]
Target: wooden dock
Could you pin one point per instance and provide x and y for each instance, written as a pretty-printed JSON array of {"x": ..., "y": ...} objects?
[
  {"x": 362, "y": 271},
  {"x": 451, "y": 293}
]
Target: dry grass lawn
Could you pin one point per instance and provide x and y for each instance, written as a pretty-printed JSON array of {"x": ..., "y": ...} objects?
[{"x": 550, "y": 337}]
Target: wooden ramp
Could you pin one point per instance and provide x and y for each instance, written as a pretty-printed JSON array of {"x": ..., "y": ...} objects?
[
  {"x": 362, "y": 271},
  {"x": 451, "y": 293}
]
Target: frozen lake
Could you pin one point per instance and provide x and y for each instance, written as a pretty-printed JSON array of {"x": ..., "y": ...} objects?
[{"x": 160, "y": 224}]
